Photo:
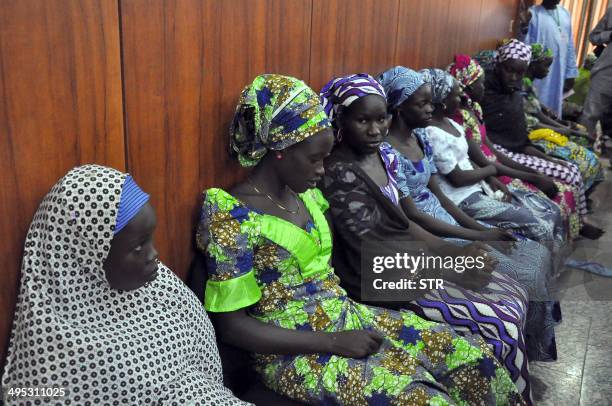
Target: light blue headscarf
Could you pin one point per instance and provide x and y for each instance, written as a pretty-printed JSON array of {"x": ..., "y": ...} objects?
[
  {"x": 400, "y": 83},
  {"x": 441, "y": 83}
]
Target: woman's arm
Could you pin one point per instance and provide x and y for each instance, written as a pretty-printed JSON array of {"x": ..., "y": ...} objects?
[
  {"x": 435, "y": 226},
  {"x": 233, "y": 327},
  {"x": 508, "y": 167},
  {"x": 531, "y": 150},
  {"x": 505, "y": 160},
  {"x": 447, "y": 162},
  {"x": 459, "y": 177},
  {"x": 476, "y": 154},
  {"x": 547, "y": 122},
  {"x": 459, "y": 215},
  {"x": 561, "y": 128}
]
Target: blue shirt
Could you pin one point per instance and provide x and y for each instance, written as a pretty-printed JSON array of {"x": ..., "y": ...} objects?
[{"x": 553, "y": 28}]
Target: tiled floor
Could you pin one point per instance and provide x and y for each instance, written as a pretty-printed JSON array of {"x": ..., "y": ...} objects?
[{"x": 583, "y": 373}]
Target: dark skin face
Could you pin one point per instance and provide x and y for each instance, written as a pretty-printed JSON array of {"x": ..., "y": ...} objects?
[
  {"x": 511, "y": 73},
  {"x": 453, "y": 100},
  {"x": 476, "y": 90},
  {"x": 550, "y": 4},
  {"x": 365, "y": 123},
  {"x": 132, "y": 259},
  {"x": 302, "y": 165},
  {"x": 416, "y": 111},
  {"x": 540, "y": 69}
]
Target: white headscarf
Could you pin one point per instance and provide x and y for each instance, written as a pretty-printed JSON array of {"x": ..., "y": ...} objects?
[{"x": 73, "y": 331}]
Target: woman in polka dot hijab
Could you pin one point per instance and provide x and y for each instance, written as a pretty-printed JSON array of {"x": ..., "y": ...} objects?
[{"x": 147, "y": 342}]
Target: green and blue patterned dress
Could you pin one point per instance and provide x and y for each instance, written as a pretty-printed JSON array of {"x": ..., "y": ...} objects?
[{"x": 281, "y": 274}]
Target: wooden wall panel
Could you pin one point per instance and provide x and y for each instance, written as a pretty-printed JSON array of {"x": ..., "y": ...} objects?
[
  {"x": 432, "y": 32},
  {"x": 495, "y": 20},
  {"x": 351, "y": 37},
  {"x": 463, "y": 27},
  {"x": 185, "y": 63},
  {"x": 422, "y": 26},
  {"x": 60, "y": 106}
]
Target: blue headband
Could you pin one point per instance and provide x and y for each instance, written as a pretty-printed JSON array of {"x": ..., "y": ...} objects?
[{"x": 132, "y": 200}]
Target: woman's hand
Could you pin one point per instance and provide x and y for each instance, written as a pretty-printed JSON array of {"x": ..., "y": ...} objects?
[
  {"x": 549, "y": 112},
  {"x": 497, "y": 234},
  {"x": 354, "y": 343},
  {"x": 546, "y": 185},
  {"x": 473, "y": 278},
  {"x": 479, "y": 274},
  {"x": 496, "y": 185},
  {"x": 501, "y": 239},
  {"x": 474, "y": 249}
]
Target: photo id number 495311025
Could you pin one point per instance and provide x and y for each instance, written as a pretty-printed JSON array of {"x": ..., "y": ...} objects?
[{"x": 38, "y": 392}]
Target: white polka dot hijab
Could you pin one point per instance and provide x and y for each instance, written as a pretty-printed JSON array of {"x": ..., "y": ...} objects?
[{"x": 88, "y": 342}]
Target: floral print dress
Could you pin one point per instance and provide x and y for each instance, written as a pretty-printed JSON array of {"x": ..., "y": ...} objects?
[{"x": 281, "y": 274}]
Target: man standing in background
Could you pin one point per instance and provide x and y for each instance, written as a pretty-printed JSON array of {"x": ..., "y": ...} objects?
[
  {"x": 551, "y": 25},
  {"x": 598, "y": 103}
]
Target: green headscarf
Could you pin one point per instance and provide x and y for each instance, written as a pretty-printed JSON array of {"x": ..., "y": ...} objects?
[
  {"x": 273, "y": 113},
  {"x": 539, "y": 52}
]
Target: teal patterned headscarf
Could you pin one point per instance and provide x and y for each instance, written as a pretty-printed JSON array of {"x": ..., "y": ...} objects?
[
  {"x": 273, "y": 113},
  {"x": 441, "y": 83},
  {"x": 486, "y": 58}
]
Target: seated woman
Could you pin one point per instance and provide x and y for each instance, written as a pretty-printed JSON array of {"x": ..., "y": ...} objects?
[
  {"x": 549, "y": 134},
  {"x": 469, "y": 187},
  {"x": 98, "y": 316},
  {"x": 541, "y": 60},
  {"x": 576, "y": 132},
  {"x": 573, "y": 105},
  {"x": 366, "y": 207},
  {"x": 504, "y": 117},
  {"x": 273, "y": 292},
  {"x": 512, "y": 174}
]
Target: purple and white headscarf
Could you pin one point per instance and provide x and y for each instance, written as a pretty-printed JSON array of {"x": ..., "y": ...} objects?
[
  {"x": 514, "y": 49},
  {"x": 343, "y": 91}
]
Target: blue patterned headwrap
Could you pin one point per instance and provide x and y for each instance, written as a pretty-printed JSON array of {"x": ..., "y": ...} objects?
[
  {"x": 441, "y": 83},
  {"x": 131, "y": 201},
  {"x": 400, "y": 83},
  {"x": 343, "y": 91}
]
